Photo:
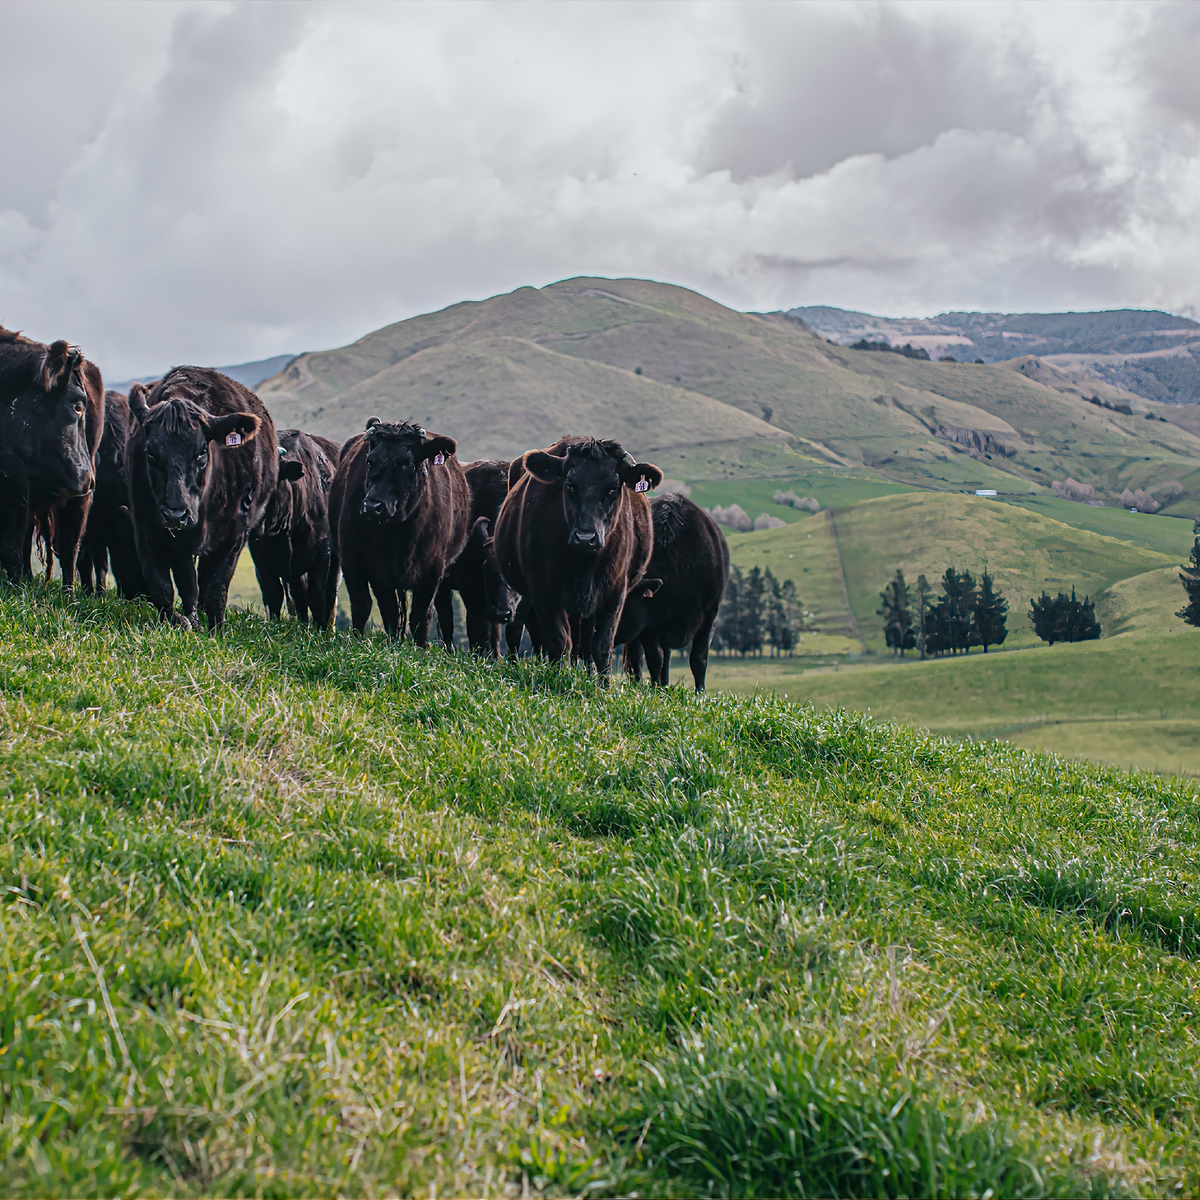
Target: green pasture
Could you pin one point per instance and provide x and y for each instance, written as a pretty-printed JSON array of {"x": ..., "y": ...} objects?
[
  {"x": 1128, "y": 700},
  {"x": 293, "y": 914},
  {"x": 832, "y": 488},
  {"x": 1164, "y": 535}
]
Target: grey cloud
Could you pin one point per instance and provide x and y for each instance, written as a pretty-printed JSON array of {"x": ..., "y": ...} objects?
[
  {"x": 817, "y": 86},
  {"x": 276, "y": 177},
  {"x": 1165, "y": 56}
]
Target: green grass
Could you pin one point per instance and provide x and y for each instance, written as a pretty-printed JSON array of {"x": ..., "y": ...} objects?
[
  {"x": 289, "y": 914},
  {"x": 1128, "y": 700},
  {"x": 1164, "y": 535},
  {"x": 835, "y": 487}
]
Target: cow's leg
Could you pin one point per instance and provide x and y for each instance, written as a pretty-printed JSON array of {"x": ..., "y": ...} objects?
[
  {"x": 333, "y": 574},
  {"x": 69, "y": 523},
  {"x": 389, "y": 609},
  {"x": 554, "y": 633},
  {"x": 270, "y": 568},
  {"x": 216, "y": 574},
  {"x": 83, "y": 564},
  {"x": 443, "y": 604},
  {"x": 633, "y": 659},
  {"x": 665, "y": 674},
  {"x": 698, "y": 659},
  {"x": 601, "y": 634},
  {"x": 298, "y": 596},
  {"x": 14, "y": 521},
  {"x": 422, "y": 604},
  {"x": 360, "y": 594},
  {"x": 156, "y": 577},
  {"x": 653, "y": 651},
  {"x": 99, "y": 564},
  {"x": 123, "y": 554},
  {"x": 314, "y": 588}
]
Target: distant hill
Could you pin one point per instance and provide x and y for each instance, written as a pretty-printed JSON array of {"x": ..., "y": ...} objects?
[
  {"x": 713, "y": 394},
  {"x": 250, "y": 373},
  {"x": 1150, "y": 353}
]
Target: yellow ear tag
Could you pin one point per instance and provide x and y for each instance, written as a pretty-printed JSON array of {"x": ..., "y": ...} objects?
[
  {"x": 233, "y": 438},
  {"x": 641, "y": 485}
]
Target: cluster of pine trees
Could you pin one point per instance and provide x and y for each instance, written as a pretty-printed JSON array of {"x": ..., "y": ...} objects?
[
  {"x": 1063, "y": 618},
  {"x": 1190, "y": 578},
  {"x": 965, "y": 614},
  {"x": 758, "y": 610}
]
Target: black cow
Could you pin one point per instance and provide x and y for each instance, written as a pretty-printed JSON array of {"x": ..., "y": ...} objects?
[
  {"x": 573, "y": 536},
  {"x": 205, "y": 465},
  {"x": 51, "y": 419},
  {"x": 398, "y": 514},
  {"x": 690, "y": 567},
  {"x": 476, "y": 574},
  {"x": 290, "y": 546},
  {"x": 109, "y": 536}
]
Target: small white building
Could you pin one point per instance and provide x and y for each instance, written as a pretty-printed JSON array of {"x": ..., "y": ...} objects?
[{"x": 985, "y": 491}]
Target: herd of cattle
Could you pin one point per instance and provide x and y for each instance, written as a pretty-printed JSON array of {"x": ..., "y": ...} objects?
[{"x": 169, "y": 484}]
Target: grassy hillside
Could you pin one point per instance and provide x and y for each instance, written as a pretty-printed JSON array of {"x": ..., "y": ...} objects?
[
  {"x": 716, "y": 394},
  {"x": 928, "y": 532},
  {"x": 292, "y": 915},
  {"x": 1127, "y": 700}
]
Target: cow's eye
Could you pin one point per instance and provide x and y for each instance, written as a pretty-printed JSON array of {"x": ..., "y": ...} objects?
[
  {"x": 570, "y": 487},
  {"x": 78, "y": 407},
  {"x": 202, "y": 457}
]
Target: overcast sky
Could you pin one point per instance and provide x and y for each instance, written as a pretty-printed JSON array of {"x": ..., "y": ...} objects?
[{"x": 220, "y": 182}]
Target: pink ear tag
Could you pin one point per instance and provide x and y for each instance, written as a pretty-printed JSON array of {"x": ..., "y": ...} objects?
[
  {"x": 641, "y": 485},
  {"x": 438, "y": 459},
  {"x": 233, "y": 438}
]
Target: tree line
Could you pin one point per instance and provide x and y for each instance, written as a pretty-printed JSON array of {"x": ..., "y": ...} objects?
[
  {"x": 758, "y": 610},
  {"x": 964, "y": 612}
]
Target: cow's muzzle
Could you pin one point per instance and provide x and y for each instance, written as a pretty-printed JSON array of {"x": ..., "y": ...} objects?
[
  {"x": 376, "y": 510},
  {"x": 175, "y": 518},
  {"x": 586, "y": 539}
]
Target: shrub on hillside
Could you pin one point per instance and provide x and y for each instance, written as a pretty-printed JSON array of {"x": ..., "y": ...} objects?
[
  {"x": 789, "y": 499},
  {"x": 763, "y": 521},
  {"x": 673, "y": 487},
  {"x": 1140, "y": 500},
  {"x": 734, "y": 515},
  {"x": 1071, "y": 489}
]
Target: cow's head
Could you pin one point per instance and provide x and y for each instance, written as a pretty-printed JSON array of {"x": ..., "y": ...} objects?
[
  {"x": 291, "y": 468},
  {"x": 176, "y": 436},
  {"x": 495, "y": 587},
  {"x": 60, "y": 456},
  {"x": 592, "y": 474},
  {"x": 399, "y": 458}
]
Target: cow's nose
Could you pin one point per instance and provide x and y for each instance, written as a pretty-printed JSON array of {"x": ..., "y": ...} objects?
[
  {"x": 372, "y": 508},
  {"x": 174, "y": 516},
  {"x": 580, "y": 537}
]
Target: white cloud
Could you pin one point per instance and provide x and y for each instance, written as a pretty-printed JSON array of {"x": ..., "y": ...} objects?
[{"x": 222, "y": 182}]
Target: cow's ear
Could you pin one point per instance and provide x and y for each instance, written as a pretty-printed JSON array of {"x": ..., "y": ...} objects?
[
  {"x": 291, "y": 470},
  {"x": 137, "y": 402},
  {"x": 61, "y": 363},
  {"x": 234, "y": 430},
  {"x": 545, "y": 468},
  {"x": 647, "y": 587},
  {"x": 372, "y": 422},
  {"x": 516, "y": 469},
  {"x": 481, "y": 532},
  {"x": 431, "y": 447},
  {"x": 635, "y": 474}
]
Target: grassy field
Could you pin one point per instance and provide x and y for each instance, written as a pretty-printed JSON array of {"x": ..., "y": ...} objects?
[
  {"x": 1127, "y": 700},
  {"x": 832, "y": 487},
  {"x": 288, "y": 914},
  {"x": 1165, "y": 535}
]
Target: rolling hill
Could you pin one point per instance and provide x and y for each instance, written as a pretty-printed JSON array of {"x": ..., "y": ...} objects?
[
  {"x": 715, "y": 394},
  {"x": 1152, "y": 354}
]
